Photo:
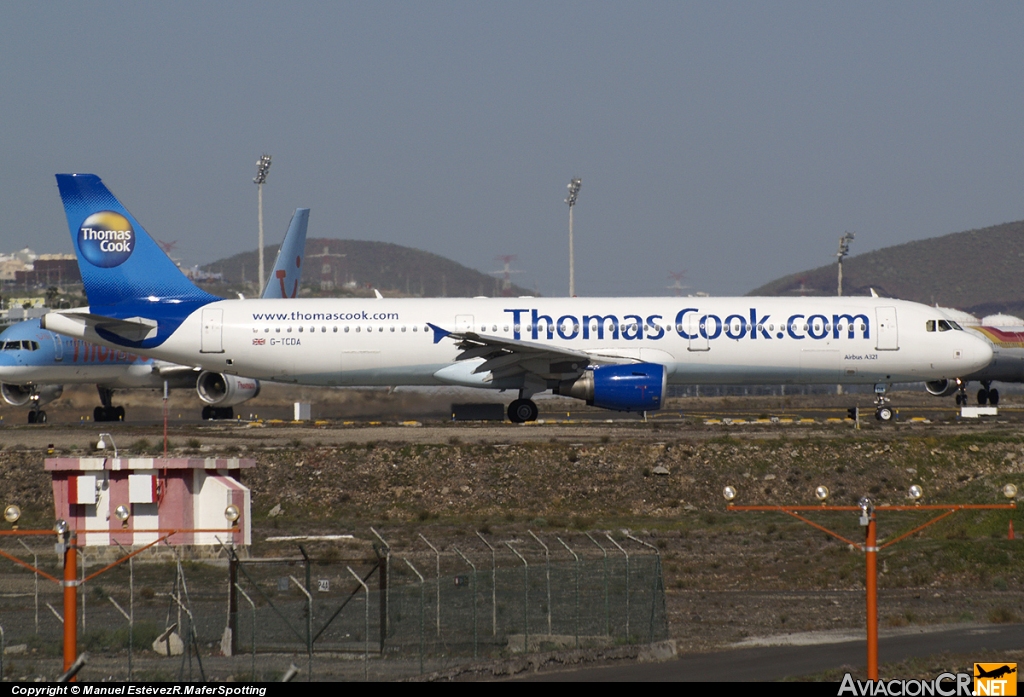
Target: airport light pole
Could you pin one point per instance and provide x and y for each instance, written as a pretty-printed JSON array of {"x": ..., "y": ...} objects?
[
  {"x": 574, "y": 192},
  {"x": 262, "y": 170},
  {"x": 868, "y": 510},
  {"x": 844, "y": 250}
]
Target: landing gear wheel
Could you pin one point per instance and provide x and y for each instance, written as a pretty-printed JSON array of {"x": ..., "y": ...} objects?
[
  {"x": 118, "y": 413},
  {"x": 225, "y": 413},
  {"x": 884, "y": 414},
  {"x": 41, "y": 417},
  {"x": 207, "y": 415},
  {"x": 993, "y": 396},
  {"x": 99, "y": 414},
  {"x": 522, "y": 410},
  {"x": 959, "y": 399},
  {"x": 983, "y": 396},
  {"x": 31, "y": 417}
]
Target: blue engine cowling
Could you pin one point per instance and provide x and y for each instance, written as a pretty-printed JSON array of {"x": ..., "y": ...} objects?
[{"x": 633, "y": 387}]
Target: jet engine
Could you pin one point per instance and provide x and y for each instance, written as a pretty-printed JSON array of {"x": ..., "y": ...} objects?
[
  {"x": 632, "y": 387},
  {"x": 942, "y": 388},
  {"x": 22, "y": 395},
  {"x": 225, "y": 390}
]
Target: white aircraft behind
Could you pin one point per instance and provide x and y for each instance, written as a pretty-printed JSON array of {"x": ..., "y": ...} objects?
[
  {"x": 1006, "y": 334},
  {"x": 615, "y": 353},
  {"x": 35, "y": 364}
]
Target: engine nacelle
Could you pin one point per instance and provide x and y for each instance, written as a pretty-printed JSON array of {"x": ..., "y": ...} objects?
[
  {"x": 633, "y": 387},
  {"x": 225, "y": 390},
  {"x": 24, "y": 395},
  {"x": 942, "y": 388}
]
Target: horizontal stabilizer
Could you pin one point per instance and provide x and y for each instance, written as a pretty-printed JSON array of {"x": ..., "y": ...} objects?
[{"x": 87, "y": 325}]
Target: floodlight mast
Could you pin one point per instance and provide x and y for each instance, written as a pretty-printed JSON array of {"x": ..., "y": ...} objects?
[
  {"x": 844, "y": 251},
  {"x": 574, "y": 192},
  {"x": 262, "y": 170}
]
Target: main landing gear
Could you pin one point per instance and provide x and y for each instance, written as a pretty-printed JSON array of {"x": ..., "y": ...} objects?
[
  {"x": 37, "y": 416},
  {"x": 107, "y": 412},
  {"x": 988, "y": 394},
  {"x": 522, "y": 410},
  {"x": 882, "y": 412}
]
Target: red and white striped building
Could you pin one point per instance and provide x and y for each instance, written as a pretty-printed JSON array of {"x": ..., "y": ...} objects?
[{"x": 190, "y": 494}]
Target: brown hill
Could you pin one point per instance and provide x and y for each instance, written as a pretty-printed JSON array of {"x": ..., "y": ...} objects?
[
  {"x": 340, "y": 267},
  {"x": 978, "y": 271}
]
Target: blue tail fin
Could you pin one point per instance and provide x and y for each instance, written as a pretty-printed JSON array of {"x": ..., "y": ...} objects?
[
  {"x": 121, "y": 264},
  {"x": 287, "y": 274}
]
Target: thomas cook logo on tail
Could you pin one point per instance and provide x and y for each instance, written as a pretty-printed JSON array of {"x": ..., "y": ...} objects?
[{"x": 106, "y": 239}]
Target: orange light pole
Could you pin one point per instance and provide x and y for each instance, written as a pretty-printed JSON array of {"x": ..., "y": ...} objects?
[
  {"x": 70, "y": 600},
  {"x": 870, "y": 547}
]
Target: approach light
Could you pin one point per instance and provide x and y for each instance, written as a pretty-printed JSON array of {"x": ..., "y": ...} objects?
[
  {"x": 1010, "y": 491},
  {"x": 729, "y": 493},
  {"x": 12, "y": 514},
  {"x": 822, "y": 493},
  {"x": 232, "y": 513},
  {"x": 122, "y": 513},
  {"x": 915, "y": 492}
]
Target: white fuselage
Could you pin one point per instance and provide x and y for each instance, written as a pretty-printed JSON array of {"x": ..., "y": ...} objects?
[{"x": 699, "y": 340}]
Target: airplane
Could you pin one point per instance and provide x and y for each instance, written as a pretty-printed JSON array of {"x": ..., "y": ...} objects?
[
  {"x": 994, "y": 673},
  {"x": 1006, "y": 334},
  {"x": 614, "y": 353},
  {"x": 35, "y": 363}
]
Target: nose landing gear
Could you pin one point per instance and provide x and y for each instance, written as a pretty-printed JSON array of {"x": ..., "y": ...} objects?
[{"x": 882, "y": 412}]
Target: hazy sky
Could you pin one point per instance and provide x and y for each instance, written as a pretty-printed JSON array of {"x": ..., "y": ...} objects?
[{"x": 736, "y": 141}]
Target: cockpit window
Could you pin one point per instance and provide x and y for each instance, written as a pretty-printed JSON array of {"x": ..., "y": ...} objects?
[
  {"x": 20, "y": 346},
  {"x": 956, "y": 326},
  {"x": 929, "y": 326},
  {"x": 944, "y": 326}
]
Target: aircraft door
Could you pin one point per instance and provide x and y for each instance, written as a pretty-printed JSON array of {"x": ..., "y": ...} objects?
[
  {"x": 213, "y": 331},
  {"x": 693, "y": 327},
  {"x": 887, "y": 333},
  {"x": 58, "y": 348},
  {"x": 463, "y": 323}
]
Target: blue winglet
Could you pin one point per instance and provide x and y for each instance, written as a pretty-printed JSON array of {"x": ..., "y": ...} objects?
[{"x": 438, "y": 332}]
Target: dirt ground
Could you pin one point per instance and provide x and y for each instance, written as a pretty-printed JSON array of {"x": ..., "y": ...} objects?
[{"x": 729, "y": 576}]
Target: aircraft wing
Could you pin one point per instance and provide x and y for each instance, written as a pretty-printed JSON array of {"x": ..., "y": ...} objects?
[{"x": 505, "y": 358}]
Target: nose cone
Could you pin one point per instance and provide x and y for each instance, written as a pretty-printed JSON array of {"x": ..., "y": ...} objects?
[{"x": 977, "y": 354}]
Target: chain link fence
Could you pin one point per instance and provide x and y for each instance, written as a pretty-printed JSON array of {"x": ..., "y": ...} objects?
[{"x": 386, "y": 612}]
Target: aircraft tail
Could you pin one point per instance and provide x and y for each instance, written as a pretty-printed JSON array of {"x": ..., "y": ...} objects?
[
  {"x": 287, "y": 274},
  {"x": 121, "y": 264}
]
